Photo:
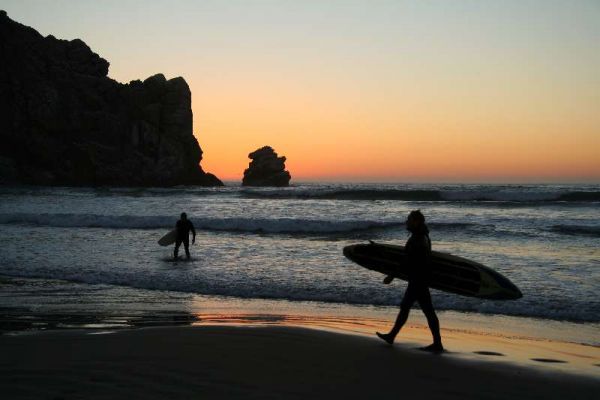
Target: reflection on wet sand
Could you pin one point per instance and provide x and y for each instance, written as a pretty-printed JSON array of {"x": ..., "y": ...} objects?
[
  {"x": 31, "y": 322},
  {"x": 462, "y": 343}
]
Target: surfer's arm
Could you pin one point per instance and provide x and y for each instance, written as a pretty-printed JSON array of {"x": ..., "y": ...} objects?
[{"x": 193, "y": 233}]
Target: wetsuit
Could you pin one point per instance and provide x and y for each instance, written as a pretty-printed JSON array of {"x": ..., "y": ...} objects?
[
  {"x": 418, "y": 254},
  {"x": 418, "y": 262},
  {"x": 184, "y": 226}
]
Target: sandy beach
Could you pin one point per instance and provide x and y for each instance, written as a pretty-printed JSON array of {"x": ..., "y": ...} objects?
[
  {"x": 230, "y": 200},
  {"x": 263, "y": 362}
]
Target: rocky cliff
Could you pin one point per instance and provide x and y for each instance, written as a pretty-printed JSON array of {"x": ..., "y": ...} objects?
[
  {"x": 266, "y": 169},
  {"x": 64, "y": 122}
]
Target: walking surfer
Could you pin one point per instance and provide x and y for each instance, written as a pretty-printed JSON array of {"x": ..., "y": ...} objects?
[
  {"x": 418, "y": 254},
  {"x": 184, "y": 226}
]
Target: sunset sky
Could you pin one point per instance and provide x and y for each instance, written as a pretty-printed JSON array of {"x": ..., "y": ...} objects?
[{"x": 456, "y": 91}]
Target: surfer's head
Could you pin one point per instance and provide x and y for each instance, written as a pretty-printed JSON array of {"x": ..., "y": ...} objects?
[
  {"x": 416, "y": 222},
  {"x": 183, "y": 216}
]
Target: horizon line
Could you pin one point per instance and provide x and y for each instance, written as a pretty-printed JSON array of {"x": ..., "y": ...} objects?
[{"x": 295, "y": 182}]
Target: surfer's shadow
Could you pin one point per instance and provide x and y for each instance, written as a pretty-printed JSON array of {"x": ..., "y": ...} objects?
[{"x": 189, "y": 262}]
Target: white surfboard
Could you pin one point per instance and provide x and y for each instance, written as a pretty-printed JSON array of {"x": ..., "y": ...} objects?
[{"x": 169, "y": 238}]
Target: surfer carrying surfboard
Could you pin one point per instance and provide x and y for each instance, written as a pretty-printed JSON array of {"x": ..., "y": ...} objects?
[
  {"x": 418, "y": 253},
  {"x": 183, "y": 227}
]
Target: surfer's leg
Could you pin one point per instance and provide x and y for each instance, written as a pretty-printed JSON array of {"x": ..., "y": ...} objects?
[
  {"x": 432, "y": 320},
  {"x": 186, "y": 245},
  {"x": 407, "y": 301},
  {"x": 400, "y": 320},
  {"x": 176, "y": 251}
]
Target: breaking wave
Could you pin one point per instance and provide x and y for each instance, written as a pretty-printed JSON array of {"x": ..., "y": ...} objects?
[
  {"x": 228, "y": 284},
  {"x": 428, "y": 195},
  {"x": 249, "y": 225},
  {"x": 577, "y": 230},
  {"x": 258, "y": 225}
]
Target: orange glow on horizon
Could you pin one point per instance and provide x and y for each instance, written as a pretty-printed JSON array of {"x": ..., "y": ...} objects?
[
  {"x": 518, "y": 128},
  {"x": 347, "y": 141},
  {"x": 393, "y": 91}
]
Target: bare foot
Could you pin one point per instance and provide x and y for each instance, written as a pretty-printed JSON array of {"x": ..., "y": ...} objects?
[{"x": 386, "y": 337}]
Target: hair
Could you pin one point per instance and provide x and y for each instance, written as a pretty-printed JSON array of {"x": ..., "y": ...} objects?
[
  {"x": 418, "y": 216},
  {"x": 183, "y": 215}
]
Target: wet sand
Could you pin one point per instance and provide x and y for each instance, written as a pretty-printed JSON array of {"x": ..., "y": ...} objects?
[
  {"x": 499, "y": 346},
  {"x": 281, "y": 362}
]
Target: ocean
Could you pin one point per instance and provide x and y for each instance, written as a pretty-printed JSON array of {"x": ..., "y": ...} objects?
[{"x": 286, "y": 244}]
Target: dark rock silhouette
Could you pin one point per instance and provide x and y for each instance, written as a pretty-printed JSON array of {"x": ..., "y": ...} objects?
[
  {"x": 64, "y": 122},
  {"x": 266, "y": 169}
]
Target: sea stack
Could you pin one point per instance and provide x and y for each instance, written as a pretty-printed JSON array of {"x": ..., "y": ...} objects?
[
  {"x": 266, "y": 169},
  {"x": 63, "y": 121}
]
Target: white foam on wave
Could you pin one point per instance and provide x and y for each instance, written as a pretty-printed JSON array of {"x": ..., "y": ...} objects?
[
  {"x": 254, "y": 225},
  {"x": 281, "y": 225},
  {"x": 578, "y": 311}
]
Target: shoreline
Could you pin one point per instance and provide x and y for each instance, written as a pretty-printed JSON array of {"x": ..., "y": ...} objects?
[
  {"x": 58, "y": 307},
  {"x": 38, "y": 304},
  {"x": 259, "y": 362}
]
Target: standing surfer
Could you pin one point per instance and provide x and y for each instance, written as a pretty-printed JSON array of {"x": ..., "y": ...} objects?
[
  {"x": 184, "y": 226},
  {"x": 418, "y": 254}
]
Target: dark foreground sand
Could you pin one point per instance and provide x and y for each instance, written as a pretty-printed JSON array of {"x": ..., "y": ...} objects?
[{"x": 273, "y": 362}]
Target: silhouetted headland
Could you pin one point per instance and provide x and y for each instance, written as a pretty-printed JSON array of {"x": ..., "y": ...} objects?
[
  {"x": 63, "y": 121},
  {"x": 266, "y": 169}
]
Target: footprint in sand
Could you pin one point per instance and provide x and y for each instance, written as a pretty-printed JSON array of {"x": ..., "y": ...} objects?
[
  {"x": 549, "y": 360},
  {"x": 489, "y": 353}
]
